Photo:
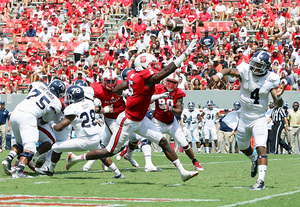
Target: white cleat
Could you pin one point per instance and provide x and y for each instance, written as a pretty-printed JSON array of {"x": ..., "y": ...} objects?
[
  {"x": 152, "y": 169},
  {"x": 198, "y": 166},
  {"x": 188, "y": 175},
  {"x": 72, "y": 160},
  {"x": 6, "y": 164},
  {"x": 121, "y": 176},
  {"x": 131, "y": 160},
  {"x": 88, "y": 165}
]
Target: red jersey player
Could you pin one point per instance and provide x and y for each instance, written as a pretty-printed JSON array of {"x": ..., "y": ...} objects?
[
  {"x": 141, "y": 85},
  {"x": 165, "y": 111}
]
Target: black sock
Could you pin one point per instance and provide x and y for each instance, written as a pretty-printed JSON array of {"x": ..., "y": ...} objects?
[{"x": 194, "y": 160}]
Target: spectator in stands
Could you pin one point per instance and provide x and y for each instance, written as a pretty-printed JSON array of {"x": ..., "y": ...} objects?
[
  {"x": 204, "y": 16},
  {"x": 16, "y": 52},
  {"x": 18, "y": 11},
  {"x": 45, "y": 36},
  {"x": 229, "y": 10},
  {"x": 219, "y": 11},
  {"x": 139, "y": 27},
  {"x": 280, "y": 20},
  {"x": 294, "y": 78},
  {"x": 284, "y": 35},
  {"x": 85, "y": 25},
  {"x": 11, "y": 87},
  {"x": 240, "y": 17},
  {"x": 207, "y": 40},
  {"x": 8, "y": 56},
  {"x": 30, "y": 32},
  {"x": 129, "y": 25},
  {"x": 254, "y": 20},
  {"x": 84, "y": 36},
  {"x": 66, "y": 36},
  {"x": 17, "y": 32}
]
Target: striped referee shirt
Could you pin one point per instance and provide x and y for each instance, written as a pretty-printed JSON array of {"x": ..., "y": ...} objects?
[{"x": 277, "y": 114}]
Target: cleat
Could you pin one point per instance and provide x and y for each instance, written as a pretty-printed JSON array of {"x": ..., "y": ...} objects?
[
  {"x": 188, "y": 175},
  {"x": 254, "y": 168},
  {"x": 121, "y": 176},
  {"x": 131, "y": 160},
  {"x": 1, "y": 150},
  {"x": 198, "y": 166},
  {"x": 6, "y": 164},
  {"x": 260, "y": 185},
  {"x": 20, "y": 174},
  {"x": 88, "y": 165},
  {"x": 152, "y": 169},
  {"x": 289, "y": 149},
  {"x": 121, "y": 154},
  {"x": 44, "y": 171},
  {"x": 104, "y": 167},
  {"x": 71, "y": 161}
]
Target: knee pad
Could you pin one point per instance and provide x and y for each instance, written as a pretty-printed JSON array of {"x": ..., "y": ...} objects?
[
  {"x": 18, "y": 146},
  {"x": 28, "y": 155},
  {"x": 188, "y": 147},
  {"x": 145, "y": 142}
]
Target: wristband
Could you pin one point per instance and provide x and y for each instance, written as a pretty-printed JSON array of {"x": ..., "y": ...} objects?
[
  {"x": 124, "y": 93},
  {"x": 106, "y": 109},
  {"x": 220, "y": 75},
  {"x": 52, "y": 125},
  {"x": 98, "y": 110}
]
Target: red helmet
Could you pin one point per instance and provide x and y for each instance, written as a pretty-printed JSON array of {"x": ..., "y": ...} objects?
[
  {"x": 171, "y": 82},
  {"x": 109, "y": 79}
]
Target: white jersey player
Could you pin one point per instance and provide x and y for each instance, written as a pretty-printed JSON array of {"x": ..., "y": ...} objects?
[
  {"x": 40, "y": 105},
  {"x": 210, "y": 116},
  {"x": 257, "y": 82},
  {"x": 191, "y": 121}
]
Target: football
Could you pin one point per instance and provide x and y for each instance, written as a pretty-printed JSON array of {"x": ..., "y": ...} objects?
[{"x": 175, "y": 25}]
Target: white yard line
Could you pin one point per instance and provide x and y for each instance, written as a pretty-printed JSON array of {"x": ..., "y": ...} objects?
[{"x": 262, "y": 199}]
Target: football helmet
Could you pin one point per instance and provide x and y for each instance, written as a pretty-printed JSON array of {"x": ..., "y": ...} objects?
[
  {"x": 74, "y": 94},
  {"x": 57, "y": 87},
  {"x": 109, "y": 79},
  {"x": 80, "y": 83},
  {"x": 260, "y": 63},
  {"x": 88, "y": 92},
  {"x": 171, "y": 82},
  {"x": 125, "y": 73},
  {"x": 191, "y": 106},
  {"x": 144, "y": 61},
  {"x": 237, "y": 105},
  {"x": 210, "y": 104}
]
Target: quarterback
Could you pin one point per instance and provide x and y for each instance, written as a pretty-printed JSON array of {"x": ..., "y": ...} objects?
[{"x": 257, "y": 82}]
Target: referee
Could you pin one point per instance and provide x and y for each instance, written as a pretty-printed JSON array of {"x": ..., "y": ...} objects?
[{"x": 278, "y": 117}]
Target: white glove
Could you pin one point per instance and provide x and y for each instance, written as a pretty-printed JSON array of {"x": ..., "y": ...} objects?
[
  {"x": 108, "y": 109},
  {"x": 284, "y": 81},
  {"x": 191, "y": 47},
  {"x": 52, "y": 123}
]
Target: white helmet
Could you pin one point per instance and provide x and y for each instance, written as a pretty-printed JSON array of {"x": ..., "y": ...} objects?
[
  {"x": 109, "y": 79},
  {"x": 171, "y": 82},
  {"x": 144, "y": 61},
  {"x": 88, "y": 92}
]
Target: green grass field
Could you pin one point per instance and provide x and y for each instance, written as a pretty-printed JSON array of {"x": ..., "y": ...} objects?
[{"x": 225, "y": 181}]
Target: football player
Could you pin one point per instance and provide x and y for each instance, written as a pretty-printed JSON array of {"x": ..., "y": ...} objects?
[
  {"x": 141, "y": 86},
  {"x": 191, "y": 123},
  {"x": 166, "y": 111},
  {"x": 210, "y": 116},
  {"x": 257, "y": 82},
  {"x": 41, "y": 104}
]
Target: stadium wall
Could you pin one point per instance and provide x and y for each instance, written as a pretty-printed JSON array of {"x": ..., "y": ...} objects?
[{"x": 222, "y": 99}]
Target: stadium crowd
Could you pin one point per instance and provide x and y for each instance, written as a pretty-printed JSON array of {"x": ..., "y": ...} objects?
[{"x": 53, "y": 30}]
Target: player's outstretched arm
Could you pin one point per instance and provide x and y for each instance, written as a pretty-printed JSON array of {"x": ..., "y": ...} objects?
[
  {"x": 156, "y": 78},
  {"x": 64, "y": 123},
  {"x": 227, "y": 71},
  {"x": 120, "y": 88},
  {"x": 277, "y": 92}
]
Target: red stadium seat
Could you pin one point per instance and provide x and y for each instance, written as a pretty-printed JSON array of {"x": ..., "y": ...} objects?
[
  {"x": 10, "y": 24},
  {"x": 22, "y": 47},
  {"x": 8, "y": 30},
  {"x": 16, "y": 21},
  {"x": 19, "y": 39},
  {"x": 5, "y": 19}
]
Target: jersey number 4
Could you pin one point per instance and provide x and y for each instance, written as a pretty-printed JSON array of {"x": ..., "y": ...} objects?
[
  {"x": 86, "y": 119},
  {"x": 255, "y": 95},
  {"x": 42, "y": 100}
]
